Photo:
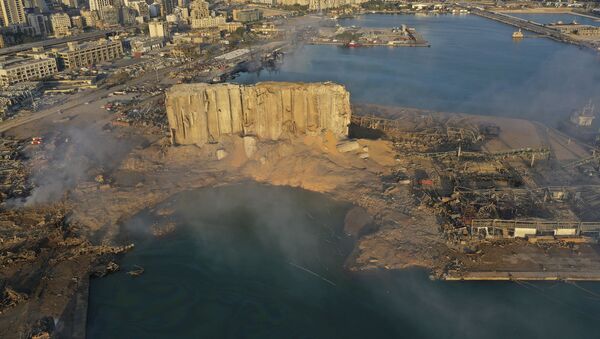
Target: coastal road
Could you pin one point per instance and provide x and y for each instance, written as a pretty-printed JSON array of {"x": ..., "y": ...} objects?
[
  {"x": 528, "y": 25},
  {"x": 80, "y": 100},
  {"x": 91, "y": 97}
]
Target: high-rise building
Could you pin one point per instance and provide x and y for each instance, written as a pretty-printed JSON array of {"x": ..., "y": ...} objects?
[
  {"x": 61, "y": 24},
  {"x": 127, "y": 16},
  {"x": 154, "y": 9},
  {"x": 98, "y": 5},
  {"x": 70, "y": 3},
  {"x": 247, "y": 15},
  {"x": 13, "y": 12},
  {"x": 140, "y": 6},
  {"x": 209, "y": 22},
  {"x": 78, "y": 21},
  {"x": 326, "y": 4},
  {"x": 90, "y": 18},
  {"x": 110, "y": 15},
  {"x": 199, "y": 9},
  {"x": 39, "y": 23},
  {"x": 166, "y": 7},
  {"x": 158, "y": 29},
  {"x": 40, "y": 6}
]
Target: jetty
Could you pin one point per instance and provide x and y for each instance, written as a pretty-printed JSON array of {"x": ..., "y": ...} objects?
[
  {"x": 530, "y": 26},
  {"x": 353, "y": 37}
]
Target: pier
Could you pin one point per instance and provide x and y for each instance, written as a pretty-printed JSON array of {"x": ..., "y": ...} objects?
[
  {"x": 402, "y": 36},
  {"x": 530, "y": 26}
]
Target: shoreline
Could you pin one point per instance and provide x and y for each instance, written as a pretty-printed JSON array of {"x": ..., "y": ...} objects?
[
  {"x": 544, "y": 11},
  {"x": 530, "y": 26},
  {"x": 310, "y": 164},
  {"x": 522, "y": 276},
  {"x": 341, "y": 44}
]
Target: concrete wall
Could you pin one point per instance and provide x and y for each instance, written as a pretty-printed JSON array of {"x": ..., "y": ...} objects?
[{"x": 201, "y": 113}]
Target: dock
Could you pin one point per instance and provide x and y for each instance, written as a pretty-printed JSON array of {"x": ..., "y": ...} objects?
[
  {"x": 530, "y": 26},
  {"x": 353, "y": 37},
  {"x": 522, "y": 276}
]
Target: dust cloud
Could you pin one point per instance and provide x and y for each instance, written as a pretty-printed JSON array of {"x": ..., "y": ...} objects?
[
  {"x": 564, "y": 82},
  {"x": 69, "y": 156}
]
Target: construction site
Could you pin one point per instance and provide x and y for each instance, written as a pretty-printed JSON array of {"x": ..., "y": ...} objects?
[{"x": 465, "y": 197}]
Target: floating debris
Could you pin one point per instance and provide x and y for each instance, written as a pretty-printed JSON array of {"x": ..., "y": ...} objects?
[
  {"x": 136, "y": 272},
  {"x": 313, "y": 273}
]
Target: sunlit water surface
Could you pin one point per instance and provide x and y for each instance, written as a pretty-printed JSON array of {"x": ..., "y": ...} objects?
[{"x": 473, "y": 66}]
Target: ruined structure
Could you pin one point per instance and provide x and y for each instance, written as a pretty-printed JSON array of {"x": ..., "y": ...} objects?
[{"x": 201, "y": 113}]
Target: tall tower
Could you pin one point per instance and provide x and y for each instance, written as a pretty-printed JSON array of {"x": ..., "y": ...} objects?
[
  {"x": 97, "y": 5},
  {"x": 199, "y": 9},
  {"x": 13, "y": 12}
]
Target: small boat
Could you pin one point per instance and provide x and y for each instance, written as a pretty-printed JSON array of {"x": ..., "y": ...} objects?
[
  {"x": 352, "y": 44},
  {"x": 518, "y": 34}
]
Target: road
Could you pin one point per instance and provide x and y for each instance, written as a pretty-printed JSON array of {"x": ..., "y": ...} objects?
[
  {"x": 79, "y": 100},
  {"x": 53, "y": 42},
  {"x": 529, "y": 26}
]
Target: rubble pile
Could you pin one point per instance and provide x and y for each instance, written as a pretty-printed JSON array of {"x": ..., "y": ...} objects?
[
  {"x": 40, "y": 250},
  {"x": 146, "y": 116},
  {"x": 147, "y": 108},
  {"x": 19, "y": 95},
  {"x": 13, "y": 173},
  {"x": 435, "y": 136}
]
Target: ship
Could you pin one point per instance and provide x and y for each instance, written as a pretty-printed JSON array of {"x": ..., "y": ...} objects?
[{"x": 518, "y": 34}]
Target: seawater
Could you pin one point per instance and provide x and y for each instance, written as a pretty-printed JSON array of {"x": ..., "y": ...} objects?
[
  {"x": 254, "y": 261},
  {"x": 473, "y": 66}
]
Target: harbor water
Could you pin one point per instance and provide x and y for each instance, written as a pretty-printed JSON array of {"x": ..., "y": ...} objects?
[
  {"x": 473, "y": 66},
  {"x": 256, "y": 261},
  {"x": 252, "y": 261}
]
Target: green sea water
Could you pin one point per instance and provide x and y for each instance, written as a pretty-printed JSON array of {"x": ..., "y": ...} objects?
[{"x": 254, "y": 261}]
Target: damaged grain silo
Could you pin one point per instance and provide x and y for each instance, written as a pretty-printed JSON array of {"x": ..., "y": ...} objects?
[{"x": 202, "y": 113}]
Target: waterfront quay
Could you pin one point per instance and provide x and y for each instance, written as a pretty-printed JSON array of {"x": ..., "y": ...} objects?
[
  {"x": 353, "y": 36},
  {"x": 533, "y": 27}
]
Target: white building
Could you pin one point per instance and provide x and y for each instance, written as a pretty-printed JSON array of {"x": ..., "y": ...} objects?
[
  {"x": 39, "y": 22},
  {"x": 208, "y": 22},
  {"x": 158, "y": 29},
  {"x": 98, "y": 5},
  {"x": 12, "y": 12}
]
